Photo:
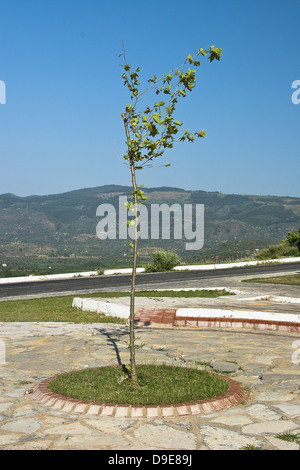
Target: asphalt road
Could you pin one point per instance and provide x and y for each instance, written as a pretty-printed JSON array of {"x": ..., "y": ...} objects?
[{"x": 124, "y": 281}]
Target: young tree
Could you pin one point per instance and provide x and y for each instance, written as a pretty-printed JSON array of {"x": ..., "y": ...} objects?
[{"x": 151, "y": 129}]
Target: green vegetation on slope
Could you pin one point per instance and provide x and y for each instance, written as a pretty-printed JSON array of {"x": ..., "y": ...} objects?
[
  {"x": 57, "y": 233},
  {"x": 289, "y": 247}
]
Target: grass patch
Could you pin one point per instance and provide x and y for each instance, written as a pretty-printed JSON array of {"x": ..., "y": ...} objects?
[
  {"x": 251, "y": 447},
  {"x": 49, "y": 309},
  {"x": 289, "y": 437},
  {"x": 158, "y": 385},
  {"x": 59, "y": 309},
  {"x": 290, "y": 280}
]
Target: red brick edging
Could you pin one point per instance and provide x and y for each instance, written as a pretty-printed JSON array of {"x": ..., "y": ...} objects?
[
  {"x": 285, "y": 326},
  {"x": 167, "y": 316},
  {"x": 45, "y": 397}
]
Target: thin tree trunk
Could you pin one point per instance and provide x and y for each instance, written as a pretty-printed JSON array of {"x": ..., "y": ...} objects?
[{"x": 132, "y": 295}]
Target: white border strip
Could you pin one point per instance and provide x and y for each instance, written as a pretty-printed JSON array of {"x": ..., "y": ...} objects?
[
  {"x": 123, "y": 311},
  {"x": 10, "y": 280},
  {"x": 237, "y": 314},
  {"x": 107, "y": 308}
]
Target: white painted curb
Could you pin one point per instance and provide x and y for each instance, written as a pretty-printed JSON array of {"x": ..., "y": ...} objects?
[
  {"x": 12, "y": 280},
  {"x": 236, "y": 265},
  {"x": 237, "y": 314},
  {"x": 98, "y": 306},
  {"x": 123, "y": 311}
]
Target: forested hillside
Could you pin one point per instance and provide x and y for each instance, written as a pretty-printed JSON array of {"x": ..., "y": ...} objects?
[{"x": 57, "y": 233}]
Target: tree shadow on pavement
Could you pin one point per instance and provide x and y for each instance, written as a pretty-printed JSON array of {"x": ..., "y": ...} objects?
[{"x": 112, "y": 338}]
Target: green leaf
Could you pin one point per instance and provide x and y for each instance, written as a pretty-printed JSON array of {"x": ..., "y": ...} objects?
[
  {"x": 167, "y": 89},
  {"x": 152, "y": 79},
  {"x": 128, "y": 205},
  {"x": 200, "y": 133},
  {"x": 215, "y": 53},
  {"x": 152, "y": 129},
  {"x": 157, "y": 117}
]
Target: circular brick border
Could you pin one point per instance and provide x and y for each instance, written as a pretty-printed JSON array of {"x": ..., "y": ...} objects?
[{"x": 43, "y": 396}]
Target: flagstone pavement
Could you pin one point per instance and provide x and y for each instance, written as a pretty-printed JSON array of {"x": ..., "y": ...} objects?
[{"x": 266, "y": 363}]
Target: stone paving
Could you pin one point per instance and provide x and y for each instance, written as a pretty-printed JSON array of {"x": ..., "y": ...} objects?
[{"x": 265, "y": 363}]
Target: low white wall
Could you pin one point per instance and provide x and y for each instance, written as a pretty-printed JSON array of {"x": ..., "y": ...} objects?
[
  {"x": 123, "y": 311},
  {"x": 98, "y": 306},
  {"x": 245, "y": 314}
]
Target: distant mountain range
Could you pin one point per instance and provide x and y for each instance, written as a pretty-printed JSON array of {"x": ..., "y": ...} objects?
[{"x": 56, "y": 233}]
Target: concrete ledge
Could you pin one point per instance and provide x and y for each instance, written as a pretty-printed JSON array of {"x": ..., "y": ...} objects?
[
  {"x": 237, "y": 314},
  {"x": 196, "y": 317},
  {"x": 98, "y": 306}
]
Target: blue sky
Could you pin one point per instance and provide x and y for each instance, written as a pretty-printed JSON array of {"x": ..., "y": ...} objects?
[{"x": 61, "y": 128}]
